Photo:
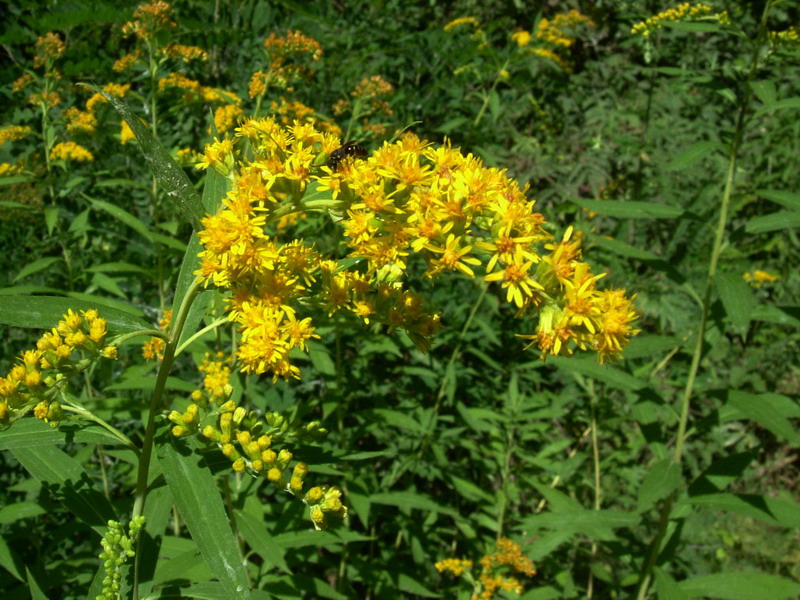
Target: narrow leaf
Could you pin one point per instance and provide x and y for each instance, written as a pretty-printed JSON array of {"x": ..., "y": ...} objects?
[
  {"x": 622, "y": 209},
  {"x": 196, "y": 494},
  {"x": 662, "y": 479},
  {"x": 737, "y": 298},
  {"x": 765, "y": 414},
  {"x": 172, "y": 178},
  {"x": 44, "y": 312},
  {"x": 764, "y": 91},
  {"x": 790, "y": 200},
  {"x": 779, "y": 105},
  {"x": 775, "y": 511},
  {"x": 741, "y": 586},
  {"x": 609, "y": 375},
  {"x": 9, "y": 560},
  {"x": 623, "y": 249},
  {"x": 123, "y": 216},
  {"x": 411, "y": 500},
  {"x": 256, "y": 534},
  {"x": 782, "y": 315},
  {"x": 68, "y": 483},
  {"x": 691, "y": 155},
  {"x": 40, "y": 264},
  {"x": 666, "y": 586},
  {"x": 784, "y": 219}
]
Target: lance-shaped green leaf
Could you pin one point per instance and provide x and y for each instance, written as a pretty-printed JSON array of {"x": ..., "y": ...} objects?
[
  {"x": 68, "y": 483},
  {"x": 198, "y": 499},
  {"x": 44, "y": 312},
  {"x": 170, "y": 176}
]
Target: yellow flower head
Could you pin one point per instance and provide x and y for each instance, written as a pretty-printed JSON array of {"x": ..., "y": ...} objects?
[
  {"x": 149, "y": 19},
  {"x": 48, "y": 48},
  {"x": 521, "y": 38},
  {"x": 461, "y": 22},
  {"x": 70, "y": 151}
]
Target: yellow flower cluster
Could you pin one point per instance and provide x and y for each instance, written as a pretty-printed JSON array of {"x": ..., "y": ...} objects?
[
  {"x": 194, "y": 91},
  {"x": 7, "y": 169},
  {"x": 188, "y": 157},
  {"x": 116, "y": 90},
  {"x": 757, "y": 278},
  {"x": 507, "y": 557},
  {"x": 552, "y": 56},
  {"x": 293, "y": 44},
  {"x": 180, "y": 81},
  {"x": 148, "y": 20},
  {"x": 685, "y": 11},
  {"x": 48, "y": 99},
  {"x": 70, "y": 151},
  {"x": 126, "y": 62},
  {"x": 126, "y": 133},
  {"x": 557, "y": 32},
  {"x": 154, "y": 347},
  {"x": 217, "y": 371},
  {"x": 21, "y": 82},
  {"x": 258, "y": 84},
  {"x": 288, "y": 58},
  {"x": 372, "y": 87},
  {"x": 36, "y": 382},
  {"x": 454, "y": 565},
  {"x": 211, "y": 94},
  {"x": 185, "y": 53},
  {"x": 48, "y": 48},
  {"x": 291, "y": 111},
  {"x": 462, "y": 21},
  {"x": 13, "y": 133},
  {"x": 409, "y": 201},
  {"x": 372, "y": 90},
  {"x": 788, "y": 38},
  {"x": 254, "y": 444},
  {"x": 226, "y": 117},
  {"x": 80, "y": 121},
  {"x": 521, "y": 38}
]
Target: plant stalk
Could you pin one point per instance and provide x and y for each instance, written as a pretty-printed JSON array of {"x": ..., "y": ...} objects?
[
  {"x": 155, "y": 407},
  {"x": 719, "y": 237}
]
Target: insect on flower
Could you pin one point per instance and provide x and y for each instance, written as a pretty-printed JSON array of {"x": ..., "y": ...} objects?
[{"x": 349, "y": 149}]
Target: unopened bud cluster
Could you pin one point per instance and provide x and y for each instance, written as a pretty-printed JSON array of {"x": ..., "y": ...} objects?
[
  {"x": 117, "y": 549},
  {"x": 41, "y": 374},
  {"x": 254, "y": 444}
]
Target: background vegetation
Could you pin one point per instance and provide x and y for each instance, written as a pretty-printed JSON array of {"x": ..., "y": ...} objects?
[{"x": 627, "y": 138}]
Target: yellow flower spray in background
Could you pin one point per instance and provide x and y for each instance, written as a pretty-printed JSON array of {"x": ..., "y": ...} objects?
[
  {"x": 497, "y": 570},
  {"x": 39, "y": 380}
]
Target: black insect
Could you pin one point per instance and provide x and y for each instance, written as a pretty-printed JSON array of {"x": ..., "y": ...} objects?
[{"x": 349, "y": 149}]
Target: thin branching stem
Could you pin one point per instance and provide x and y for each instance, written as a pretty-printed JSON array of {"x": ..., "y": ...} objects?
[
  {"x": 155, "y": 407},
  {"x": 646, "y": 574}
]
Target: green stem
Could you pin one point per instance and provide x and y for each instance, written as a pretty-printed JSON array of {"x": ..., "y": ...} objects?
[
  {"x": 201, "y": 333},
  {"x": 159, "y": 333},
  {"x": 101, "y": 458},
  {"x": 259, "y": 102},
  {"x": 153, "y": 65},
  {"x": 85, "y": 414},
  {"x": 719, "y": 237},
  {"x": 598, "y": 492},
  {"x": 487, "y": 96},
  {"x": 506, "y": 476},
  {"x": 353, "y": 116},
  {"x": 155, "y": 407}
]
